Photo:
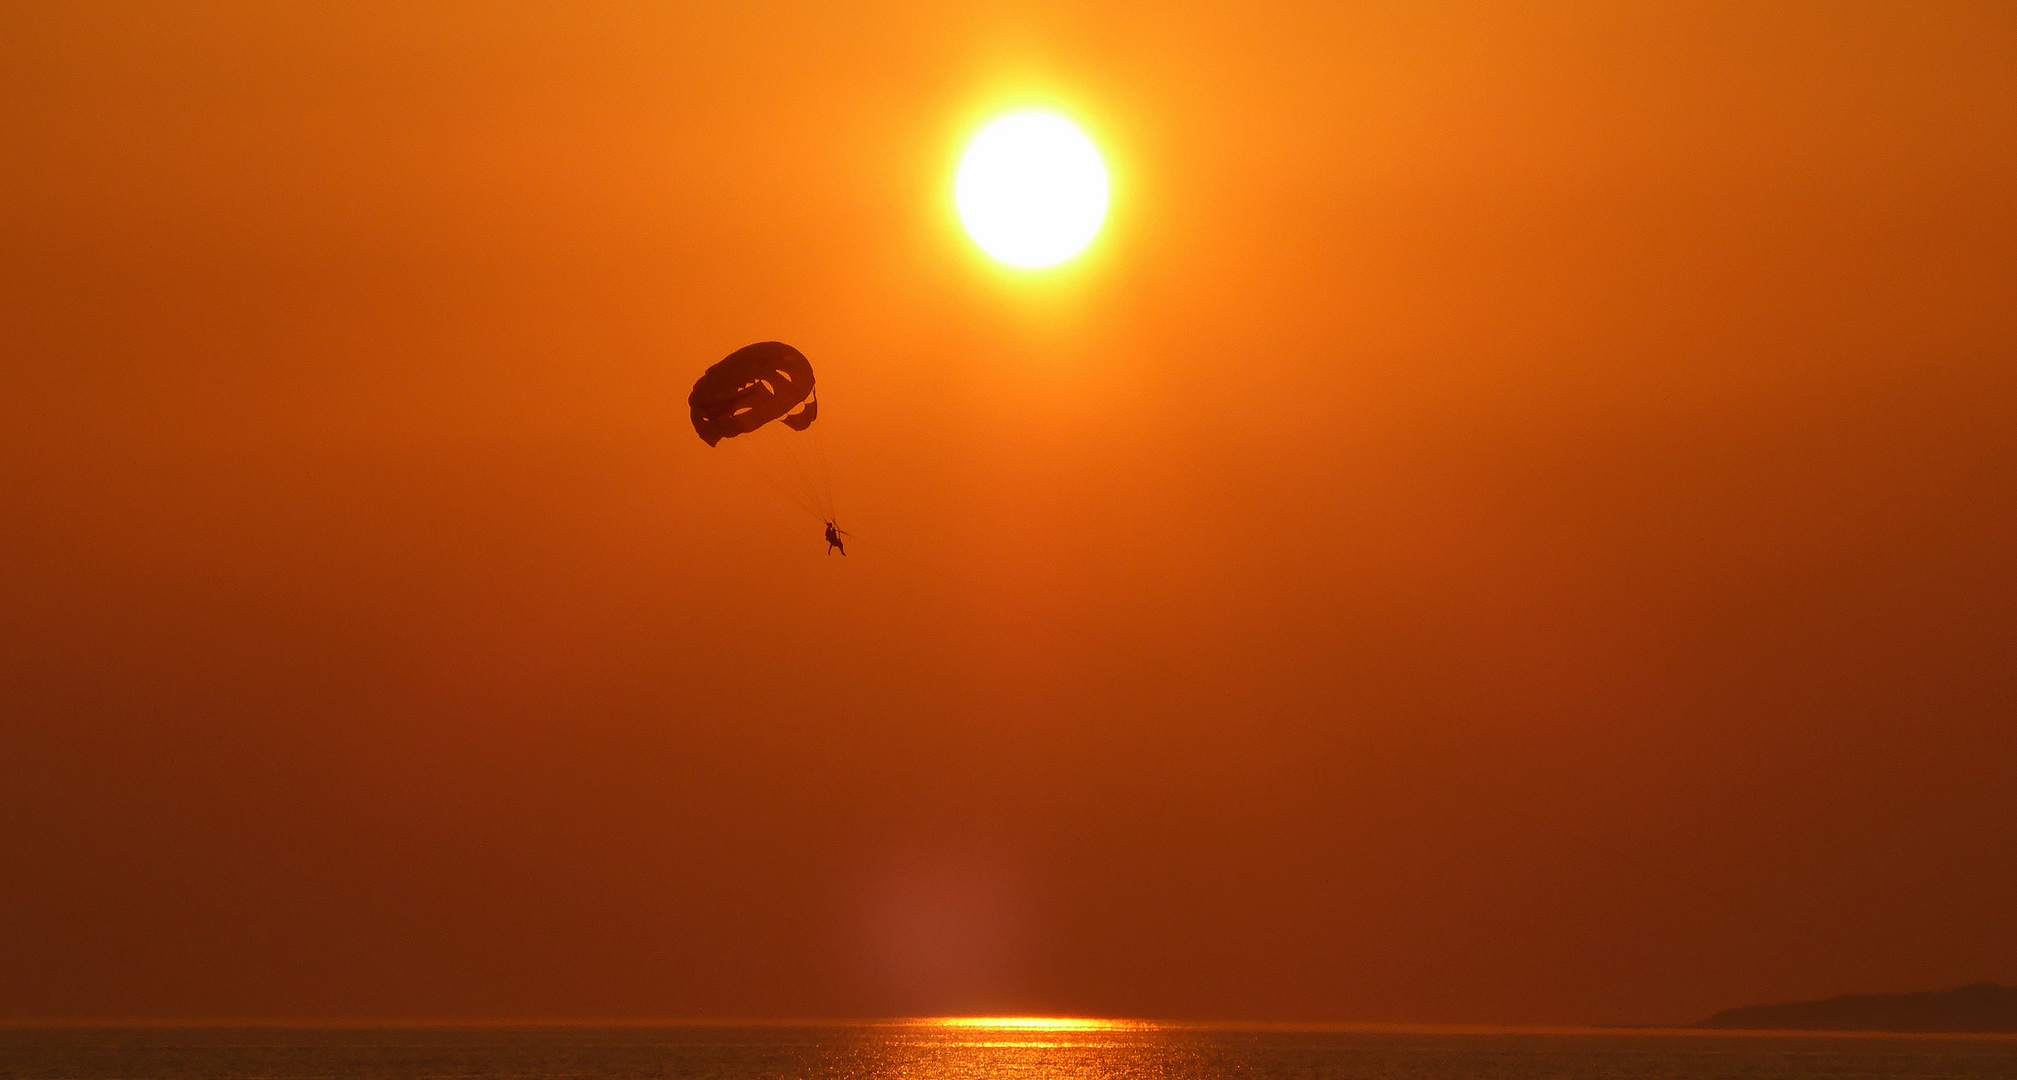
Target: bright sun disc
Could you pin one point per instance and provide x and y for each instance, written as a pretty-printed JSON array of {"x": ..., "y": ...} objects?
[{"x": 1031, "y": 190}]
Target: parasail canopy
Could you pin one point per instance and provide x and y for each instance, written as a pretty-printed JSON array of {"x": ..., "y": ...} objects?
[{"x": 751, "y": 387}]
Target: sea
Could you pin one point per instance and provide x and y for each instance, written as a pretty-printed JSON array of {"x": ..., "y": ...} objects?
[{"x": 963, "y": 1050}]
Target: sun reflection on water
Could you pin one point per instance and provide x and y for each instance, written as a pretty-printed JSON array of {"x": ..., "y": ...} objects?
[
  {"x": 1027, "y": 1047},
  {"x": 1038, "y": 1023}
]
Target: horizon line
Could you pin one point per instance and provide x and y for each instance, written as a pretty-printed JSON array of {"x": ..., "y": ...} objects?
[{"x": 1033, "y": 1023}]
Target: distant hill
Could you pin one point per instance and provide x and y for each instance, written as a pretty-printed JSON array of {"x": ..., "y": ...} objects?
[{"x": 1983, "y": 1007}]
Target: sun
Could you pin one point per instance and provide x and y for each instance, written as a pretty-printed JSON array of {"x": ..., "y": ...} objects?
[{"x": 1031, "y": 190}]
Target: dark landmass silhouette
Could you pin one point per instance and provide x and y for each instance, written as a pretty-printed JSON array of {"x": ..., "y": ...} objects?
[{"x": 1982, "y": 1007}]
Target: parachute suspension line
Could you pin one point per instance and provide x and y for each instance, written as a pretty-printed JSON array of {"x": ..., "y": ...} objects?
[
  {"x": 785, "y": 490},
  {"x": 737, "y": 400},
  {"x": 747, "y": 459},
  {"x": 794, "y": 454},
  {"x": 754, "y": 396},
  {"x": 825, "y": 473}
]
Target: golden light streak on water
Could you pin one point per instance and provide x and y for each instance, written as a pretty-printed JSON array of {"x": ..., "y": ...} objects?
[{"x": 1039, "y": 1023}]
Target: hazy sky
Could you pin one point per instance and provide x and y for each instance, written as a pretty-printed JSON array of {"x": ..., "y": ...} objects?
[{"x": 1513, "y": 521}]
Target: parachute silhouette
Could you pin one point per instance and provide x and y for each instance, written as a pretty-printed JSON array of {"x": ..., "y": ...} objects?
[
  {"x": 748, "y": 400},
  {"x": 751, "y": 387}
]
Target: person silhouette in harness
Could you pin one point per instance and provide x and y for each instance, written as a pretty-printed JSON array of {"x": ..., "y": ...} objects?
[{"x": 833, "y": 536}]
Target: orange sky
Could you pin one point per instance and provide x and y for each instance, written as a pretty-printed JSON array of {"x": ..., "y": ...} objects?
[{"x": 1512, "y": 522}]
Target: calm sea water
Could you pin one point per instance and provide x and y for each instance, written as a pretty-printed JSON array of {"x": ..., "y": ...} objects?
[{"x": 915, "y": 1052}]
